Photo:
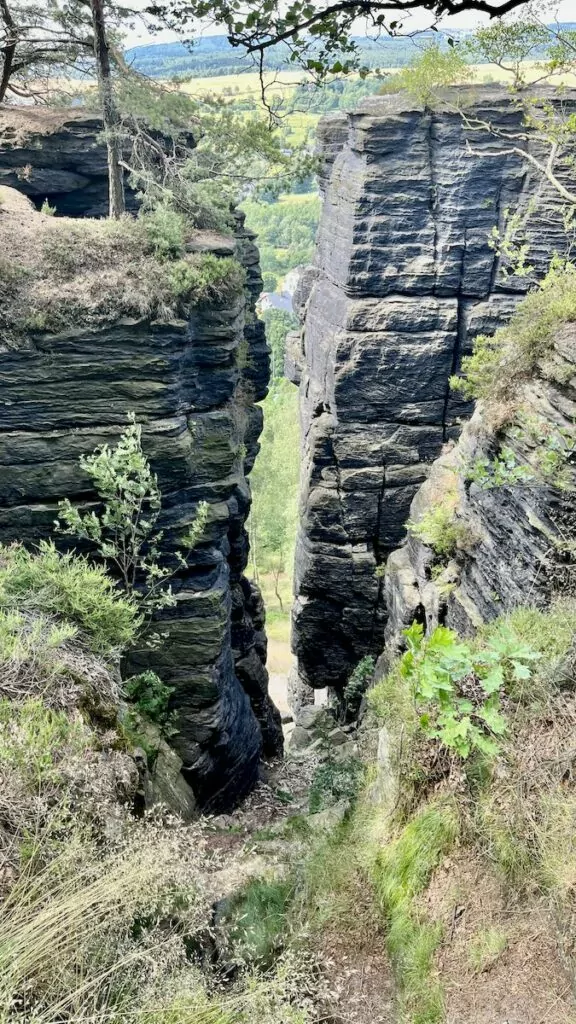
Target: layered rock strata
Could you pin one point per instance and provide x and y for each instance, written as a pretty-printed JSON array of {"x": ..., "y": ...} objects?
[
  {"x": 57, "y": 156},
  {"x": 405, "y": 278},
  {"x": 516, "y": 537},
  {"x": 193, "y": 385}
]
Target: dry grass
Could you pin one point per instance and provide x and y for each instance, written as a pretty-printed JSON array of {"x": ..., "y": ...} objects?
[{"x": 57, "y": 273}]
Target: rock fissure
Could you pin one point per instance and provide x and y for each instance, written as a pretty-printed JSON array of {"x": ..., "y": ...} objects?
[{"x": 404, "y": 279}]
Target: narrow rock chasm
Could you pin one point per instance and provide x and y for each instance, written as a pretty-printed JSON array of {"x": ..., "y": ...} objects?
[{"x": 404, "y": 278}]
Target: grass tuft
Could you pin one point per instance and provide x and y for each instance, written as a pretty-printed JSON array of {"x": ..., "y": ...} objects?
[
  {"x": 69, "y": 586},
  {"x": 402, "y": 871}
]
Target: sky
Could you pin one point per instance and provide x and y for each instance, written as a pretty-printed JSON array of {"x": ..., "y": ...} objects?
[{"x": 564, "y": 10}]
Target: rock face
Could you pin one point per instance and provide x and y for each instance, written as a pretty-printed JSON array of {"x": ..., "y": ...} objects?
[
  {"x": 403, "y": 281},
  {"x": 193, "y": 385},
  {"x": 518, "y": 538},
  {"x": 58, "y": 156}
]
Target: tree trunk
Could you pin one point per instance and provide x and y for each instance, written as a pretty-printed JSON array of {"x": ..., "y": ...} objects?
[
  {"x": 110, "y": 113},
  {"x": 9, "y": 49}
]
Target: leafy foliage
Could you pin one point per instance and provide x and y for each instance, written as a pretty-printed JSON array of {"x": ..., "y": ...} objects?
[
  {"x": 439, "y": 528},
  {"x": 503, "y": 471},
  {"x": 286, "y": 231},
  {"x": 357, "y": 685},
  {"x": 429, "y": 73},
  {"x": 458, "y": 689},
  {"x": 125, "y": 530},
  {"x": 319, "y": 38},
  {"x": 72, "y": 587},
  {"x": 278, "y": 324},
  {"x": 150, "y": 695},
  {"x": 509, "y": 44}
]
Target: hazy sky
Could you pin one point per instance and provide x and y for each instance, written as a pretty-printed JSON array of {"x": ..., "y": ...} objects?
[{"x": 565, "y": 10}]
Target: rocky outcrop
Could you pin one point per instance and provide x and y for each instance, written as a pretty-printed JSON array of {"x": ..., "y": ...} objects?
[
  {"x": 515, "y": 534},
  {"x": 193, "y": 384},
  {"x": 404, "y": 279},
  {"x": 58, "y": 156}
]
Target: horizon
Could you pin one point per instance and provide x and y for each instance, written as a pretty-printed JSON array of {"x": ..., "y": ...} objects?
[{"x": 418, "y": 21}]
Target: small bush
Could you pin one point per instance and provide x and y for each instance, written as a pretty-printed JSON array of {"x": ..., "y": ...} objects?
[
  {"x": 334, "y": 781},
  {"x": 499, "y": 362},
  {"x": 457, "y": 688},
  {"x": 47, "y": 210},
  {"x": 503, "y": 471},
  {"x": 439, "y": 528},
  {"x": 150, "y": 695},
  {"x": 71, "y": 587},
  {"x": 357, "y": 685},
  {"x": 166, "y": 232},
  {"x": 550, "y": 633},
  {"x": 124, "y": 531},
  {"x": 206, "y": 279}
]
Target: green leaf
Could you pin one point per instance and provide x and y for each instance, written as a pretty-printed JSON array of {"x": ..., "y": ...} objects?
[{"x": 493, "y": 681}]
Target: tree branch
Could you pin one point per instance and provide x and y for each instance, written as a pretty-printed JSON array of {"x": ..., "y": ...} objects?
[{"x": 355, "y": 9}]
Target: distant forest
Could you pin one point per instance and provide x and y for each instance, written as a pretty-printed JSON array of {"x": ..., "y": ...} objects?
[{"x": 213, "y": 55}]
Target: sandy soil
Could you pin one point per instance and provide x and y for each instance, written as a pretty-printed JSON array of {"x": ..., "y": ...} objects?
[{"x": 280, "y": 661}]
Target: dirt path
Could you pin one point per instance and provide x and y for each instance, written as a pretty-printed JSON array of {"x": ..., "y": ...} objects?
[
  {"x": 279, "y": 663},
  {"x": 356, "y": 983}
]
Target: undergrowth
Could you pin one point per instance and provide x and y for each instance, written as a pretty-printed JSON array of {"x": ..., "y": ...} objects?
[
  {"x": 499, "y": 363},
  {"x": 401, "y": 873},
  {"x": 58, "y": 274},
  {"x": 440, "y": 529},
  {"x": 69, "y": 586}
]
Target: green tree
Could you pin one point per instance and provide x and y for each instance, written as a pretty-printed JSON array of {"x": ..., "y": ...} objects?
[
  {"x": 38, "y": 41},
  {"x": 124, "y": 531},
  {"x": 286, "y": 231},
  {"x": 319, "y": 37},
  {"x": 430, "y": 72},
  {"x": 509, "y": 45},
  {"x": 274, "y": 482},
  {"x": 545, "y": 138},
  {"x": 278, "y": 323}
]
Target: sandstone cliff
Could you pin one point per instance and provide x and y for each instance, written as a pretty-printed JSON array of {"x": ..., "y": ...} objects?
[
  {"x": 507, "y": 491},
  {"x": 404, "y": 279},
  {"x": 192, "y": 379},
  {"x": 58, "y": 156}
]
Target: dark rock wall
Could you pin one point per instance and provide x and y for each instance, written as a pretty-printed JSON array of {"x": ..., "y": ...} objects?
[
  {"x": 518, "y": 540},
  {"x": 193, "y": 385},
  {"x": 58, "y": 156},
  {"x": 404, "y": 279}
]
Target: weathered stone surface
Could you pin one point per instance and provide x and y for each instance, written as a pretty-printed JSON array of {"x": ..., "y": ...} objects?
[
  {"x": 518, "y": 537},
  {"x": 59, "y": 156},
  {"x": 403, "y": 281},
  {"x": 61, "y": 396}
]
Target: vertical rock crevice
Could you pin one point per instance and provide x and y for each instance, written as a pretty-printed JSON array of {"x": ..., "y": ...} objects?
[{"x": 403, "y": 281}]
